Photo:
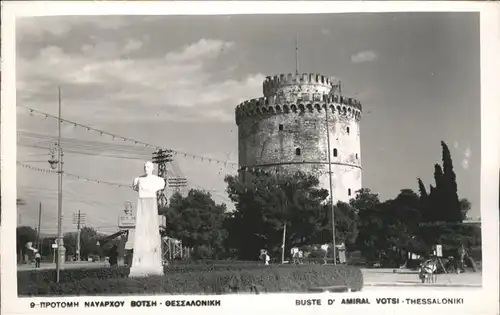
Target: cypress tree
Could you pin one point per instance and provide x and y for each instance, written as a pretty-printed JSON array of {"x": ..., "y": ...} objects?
[
  {"x": 450, "y": 188},
  {"x": 424, "y": 201},
  {"x": 431, "y": 211},
  {"x": 439, "y": 208},
  {"x": 421, "y": 189}
]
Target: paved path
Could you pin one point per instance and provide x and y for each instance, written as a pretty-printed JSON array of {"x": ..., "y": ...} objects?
[
  {"x": 417, "y": 288},
  {"x": 407, "y": 278}
]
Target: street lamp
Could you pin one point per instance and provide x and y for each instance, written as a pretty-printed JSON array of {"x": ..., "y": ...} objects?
[
  {"x": 334, "y": 87},
  {"x": 57, "y": 162}
]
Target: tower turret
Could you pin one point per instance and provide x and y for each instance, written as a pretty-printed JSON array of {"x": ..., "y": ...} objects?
[{"x": 286, "y": 131}]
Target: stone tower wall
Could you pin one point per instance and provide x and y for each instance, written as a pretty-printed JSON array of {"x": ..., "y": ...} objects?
[{"x": 292, "y": 117}]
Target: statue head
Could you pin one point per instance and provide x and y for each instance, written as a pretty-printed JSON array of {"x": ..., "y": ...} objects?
[
  {"x": 128, "y": 208},
  {"x": 148, "y": 168}
]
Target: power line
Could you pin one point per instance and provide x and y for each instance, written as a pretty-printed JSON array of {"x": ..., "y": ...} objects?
[
  {"x": 213, "y": 192},
  {"x": 135, "y": 142},
  {"x": 174, "y": 173},
  {"x": 73, "y": 176},
  {"x": 93, "y": 153}
]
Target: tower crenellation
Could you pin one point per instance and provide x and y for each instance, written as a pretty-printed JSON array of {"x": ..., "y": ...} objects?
[
  {"x": 286, "y": 130},
  {"x": 274, "y": 85},
  {"x": 305, "y": 103}
]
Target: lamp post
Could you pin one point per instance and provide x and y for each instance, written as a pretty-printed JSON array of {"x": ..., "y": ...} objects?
[
  {"x": 57, "y": 162},
  {"x": 330, "y": 175}
]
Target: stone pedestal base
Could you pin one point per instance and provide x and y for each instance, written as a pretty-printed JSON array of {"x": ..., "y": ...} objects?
[{"x": 61, "y": 255}]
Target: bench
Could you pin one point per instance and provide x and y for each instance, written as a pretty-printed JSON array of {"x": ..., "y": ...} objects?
[{"x": 330, "y": 289}]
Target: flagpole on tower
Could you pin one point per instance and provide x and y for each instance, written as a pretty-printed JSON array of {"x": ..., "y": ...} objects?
[{"x": 297, "y": 53}]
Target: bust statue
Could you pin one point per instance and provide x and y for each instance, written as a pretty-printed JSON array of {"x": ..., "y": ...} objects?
[
  {"x": 147, "y": 256},
  {"x": 148, "y": 184},
  {"x": 128, "y": 209}
]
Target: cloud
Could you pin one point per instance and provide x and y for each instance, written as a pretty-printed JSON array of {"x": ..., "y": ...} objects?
[
  {"x": 364, "y": 56},
  {"x": 204, "y": 48},
  {"x": 58, "y": 26},
  {"x": 103, "y": 79},
  {"x": 133, "y": 45},
  {"x": 465, "y": 160},
  {"x": 456, "y": 144}
]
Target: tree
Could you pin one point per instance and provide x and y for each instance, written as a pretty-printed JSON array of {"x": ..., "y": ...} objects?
[
  {"x": 403, "y": 216},
  {"x": 370, "y": 223},
  {"x": 266, "y": 202},
  {"x": 69, "y": 240},
  {"x": 198, "y": 221},
  {"x": 438, "y": 210},
  {"x": 346, "y": 224},
  {"x": 387, "y": 230},
  {"x": 24, "y": 234},
  {"x": 442, "y": 202},
  {"x": 408, "y": 209},
  {"x": 450, "y": 187},
  {"x": 46, "y": 249},
  {"x": 465, "y": 206},
  {"x": 421, "y": 189},
  {"x": 88, "y": 243}
]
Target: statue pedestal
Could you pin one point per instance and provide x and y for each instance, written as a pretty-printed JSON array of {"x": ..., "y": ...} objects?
[
  {"x": 61, "y": 255},
  {"x": 126, "y": 222}
]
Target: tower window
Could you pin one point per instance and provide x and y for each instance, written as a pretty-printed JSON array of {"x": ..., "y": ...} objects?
[
  {"x": 335, "y": 152},
  {"x": 349, "y": 191},
  {"x": 280, "y": 127},
  {"x": 297, "y": 151},
  {"x": 348, "y": 130},
  {"x": 356, "y": 156}
]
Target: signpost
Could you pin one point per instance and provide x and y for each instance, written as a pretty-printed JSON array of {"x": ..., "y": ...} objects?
[
  {"x": 177, "y": 183},
  {"x": 54, "y": 247},
  {"x": 439, "y": 250}
]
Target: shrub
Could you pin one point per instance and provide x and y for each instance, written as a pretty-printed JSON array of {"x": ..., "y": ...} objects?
[{"x": 190, "y": 279}]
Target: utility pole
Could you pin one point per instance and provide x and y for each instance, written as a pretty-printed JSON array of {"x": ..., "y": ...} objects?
[
  {"x": 61, "y": 251},
  {"x": 78, "y": 219},
  {"x": 283, "y": 245},
  {"x": 297, "y": 54},
  {"x": 161, "y": 158},
  {"x": 330, "y": 178},
  {"x": 58, "y": 163},
  {"x": 39, "y": 225}
]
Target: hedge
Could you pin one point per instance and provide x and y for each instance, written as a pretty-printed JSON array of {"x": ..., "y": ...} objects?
[
  {"x": 216, "y": 279},
  {"x": 214, "y": 262}
]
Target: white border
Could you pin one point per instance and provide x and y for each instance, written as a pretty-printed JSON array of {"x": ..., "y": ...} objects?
[{"x": 478, "y": 301}]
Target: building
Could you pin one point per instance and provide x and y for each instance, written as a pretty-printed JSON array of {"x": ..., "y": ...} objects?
[{"x": 286, "y": 131}]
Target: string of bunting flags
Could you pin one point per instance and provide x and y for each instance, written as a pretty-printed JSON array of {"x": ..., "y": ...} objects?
[
  {"x": 135, "y": 142},
  {"x": 44, "y": 170}
]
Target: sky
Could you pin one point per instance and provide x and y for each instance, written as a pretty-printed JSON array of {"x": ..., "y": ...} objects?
[{"x": 174, "y": 82}]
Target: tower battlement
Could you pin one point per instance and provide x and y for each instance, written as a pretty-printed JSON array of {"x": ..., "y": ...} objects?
[
  {"x": 274, "y": 85},
  {"x": 305, "y": 102},
  {"x": 288, "y": 130}
]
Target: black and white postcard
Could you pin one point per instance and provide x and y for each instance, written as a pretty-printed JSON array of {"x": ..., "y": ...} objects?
[{"x": 229, "y": 157}]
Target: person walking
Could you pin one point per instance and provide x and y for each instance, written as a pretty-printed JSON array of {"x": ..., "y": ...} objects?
[
  {"x": 462, "y": 254},
  {"x": 38, "y": 259},
  {"x": 113, "y": 256}
]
